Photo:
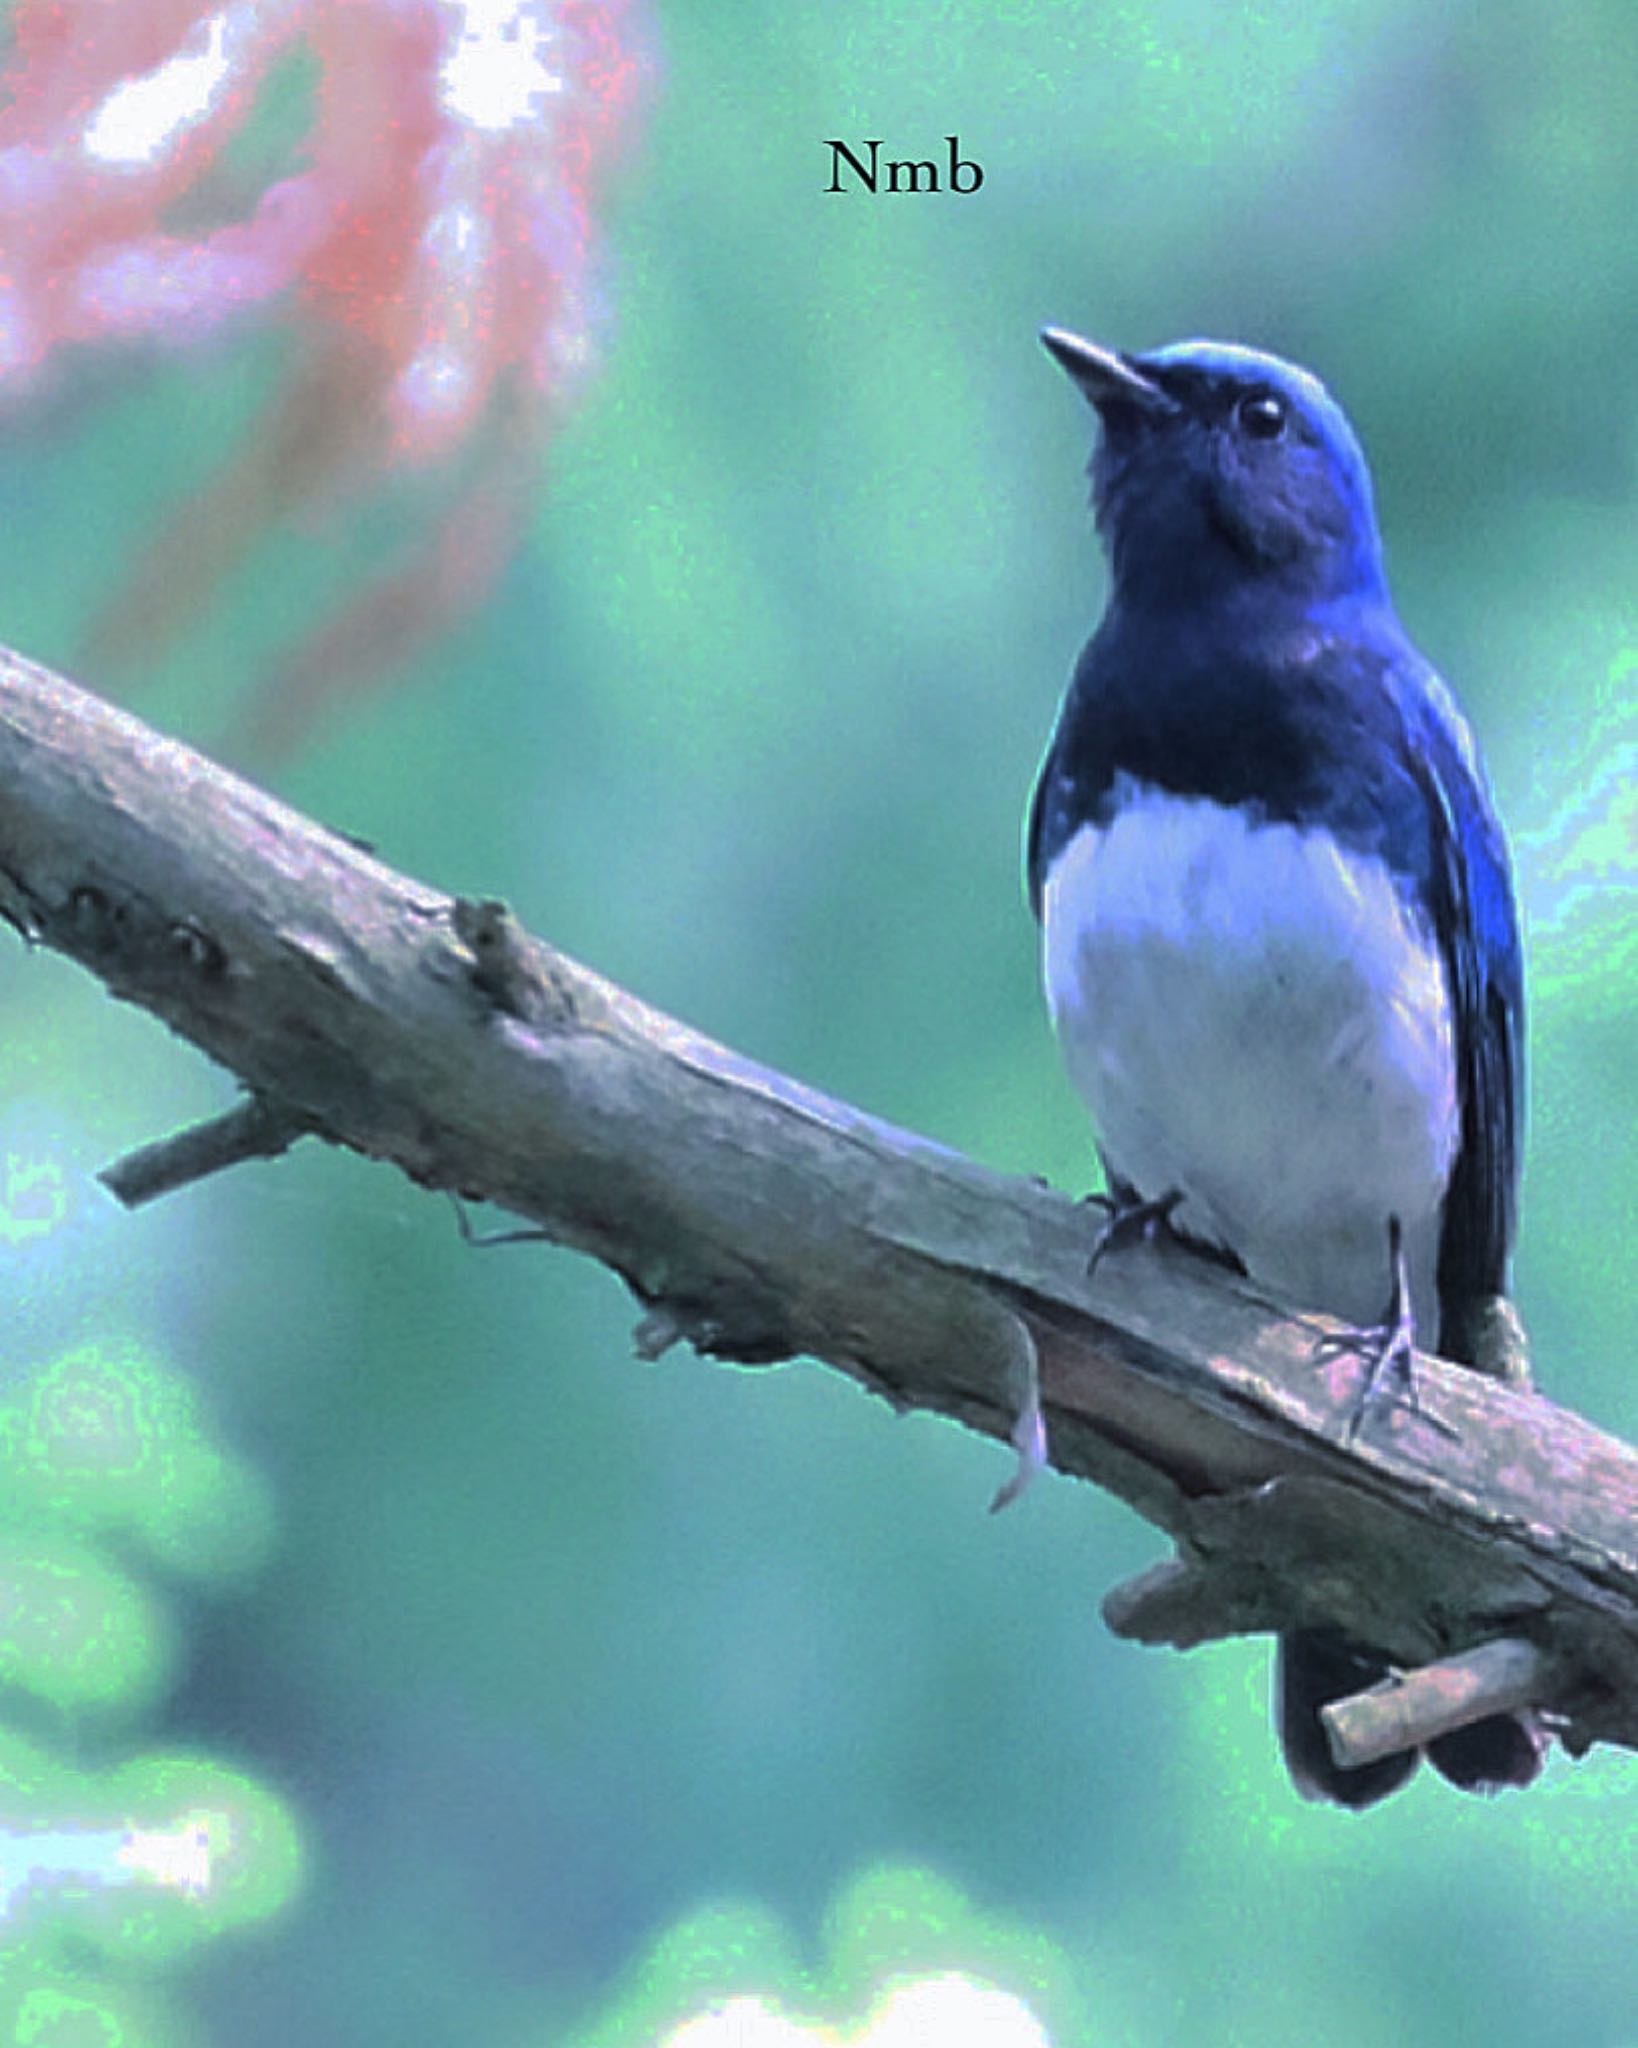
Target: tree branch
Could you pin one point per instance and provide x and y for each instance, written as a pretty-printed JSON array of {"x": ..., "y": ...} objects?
[
  {"x": 251, "y": 1130},
  {"x": 762, "y": 1220},
  {"x": 1405, "y": 1712}
]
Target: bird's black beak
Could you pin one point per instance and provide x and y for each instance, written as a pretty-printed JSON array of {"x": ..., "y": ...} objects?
[{"x": 1104, "y": 375}]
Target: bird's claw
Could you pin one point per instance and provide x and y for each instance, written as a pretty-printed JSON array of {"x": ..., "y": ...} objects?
[
  {"x": 1386, "y": 1349},
  {"x": 1129, "y": 1220}
]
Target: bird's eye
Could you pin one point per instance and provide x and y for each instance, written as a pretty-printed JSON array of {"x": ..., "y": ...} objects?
[{"x": 1262, "y": 415}]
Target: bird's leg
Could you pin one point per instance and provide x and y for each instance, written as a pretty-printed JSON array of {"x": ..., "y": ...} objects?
[
  {"x": 1387, "y": 1348},
  {"x": 1128, "y": 1219}
]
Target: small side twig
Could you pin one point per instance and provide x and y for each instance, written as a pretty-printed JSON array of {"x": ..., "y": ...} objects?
[
  {"x": 1416, "y": 1708},
  {"x": 252, "y": 1130},
  {"x": 486, "y": 1240}
]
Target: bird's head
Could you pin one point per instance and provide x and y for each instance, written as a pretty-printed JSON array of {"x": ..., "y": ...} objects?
[{"x": 1219, "y": 467}]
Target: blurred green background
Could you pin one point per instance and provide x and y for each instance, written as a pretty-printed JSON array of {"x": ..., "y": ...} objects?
[{"x": 549, "y": 1653}]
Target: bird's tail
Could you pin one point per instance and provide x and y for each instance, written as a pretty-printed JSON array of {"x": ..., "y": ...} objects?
[{"x": 1315, "y": 1667}]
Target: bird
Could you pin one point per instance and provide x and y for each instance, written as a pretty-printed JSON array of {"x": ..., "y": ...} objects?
[{"x": 1279, "y": 939}]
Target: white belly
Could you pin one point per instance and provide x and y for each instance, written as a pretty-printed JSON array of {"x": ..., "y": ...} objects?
[{"x": 1260, "y": 1020}]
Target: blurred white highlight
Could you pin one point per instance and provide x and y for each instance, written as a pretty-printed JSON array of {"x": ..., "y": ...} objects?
[
  {"x": 496, "y": 75},
  {"x": 177, "y": 1858},
  {"x": 142, "y": 116},
  {"x": 949, "y": 2010}
]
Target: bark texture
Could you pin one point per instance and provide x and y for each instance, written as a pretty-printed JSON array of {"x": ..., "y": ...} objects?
[{"x": 758, "y": 1220}]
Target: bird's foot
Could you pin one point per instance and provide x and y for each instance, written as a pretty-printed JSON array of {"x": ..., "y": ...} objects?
[
  {"x": 1387, "y": 1350},
  {"x": 1127, "y": 1220}
]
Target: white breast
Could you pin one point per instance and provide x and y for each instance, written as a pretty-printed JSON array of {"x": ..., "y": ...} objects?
[{"x": 1262, "y": 1021}]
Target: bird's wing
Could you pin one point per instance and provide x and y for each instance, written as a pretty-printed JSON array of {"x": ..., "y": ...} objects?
[
  {"x": 1037, "y": 851},
  {"x": 1477, "y": 922}
]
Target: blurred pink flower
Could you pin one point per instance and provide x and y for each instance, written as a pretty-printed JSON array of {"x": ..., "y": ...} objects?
[{"x": 435, "y": 240}]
